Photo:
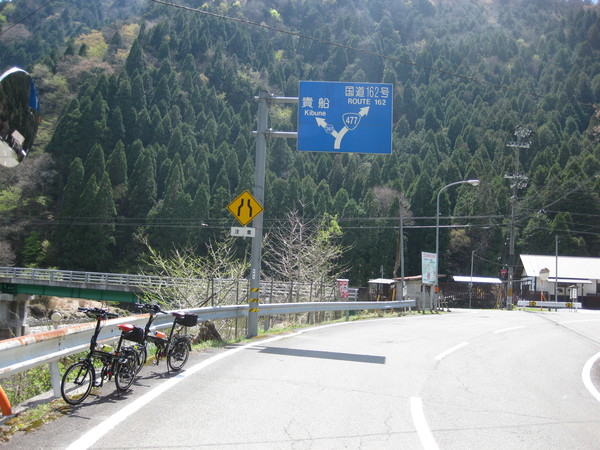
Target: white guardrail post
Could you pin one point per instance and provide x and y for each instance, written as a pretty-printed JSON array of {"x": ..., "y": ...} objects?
[
  {"x": 22, "y": 353},
  {"x": 549, "y": 304}
]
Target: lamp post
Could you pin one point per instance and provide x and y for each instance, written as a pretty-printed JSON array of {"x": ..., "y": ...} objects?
[{"x": 437, "y": 234}]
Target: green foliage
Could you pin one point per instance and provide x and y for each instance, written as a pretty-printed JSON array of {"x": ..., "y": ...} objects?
[
  {"x": 172, "y": 108},
  {"x": 34, "y": 250},
  {"x": 9, "y": 199},
  {"x": 25, "y": 385}
]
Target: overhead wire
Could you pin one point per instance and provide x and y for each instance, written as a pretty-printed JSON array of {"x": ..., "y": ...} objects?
[
  {"x": 356, "y": 49},
  {"x": 370, "y": 52},
  {"x": 20, "y": 21},
  {"x": 323, "y": 41}
]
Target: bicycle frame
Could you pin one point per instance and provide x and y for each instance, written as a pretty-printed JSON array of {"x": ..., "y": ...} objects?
[
  {"x": 120, "y": 363},
  {"x": 162, "y": 344},
  {"x": 108, "y": 359},
  {"x": 165, "y": 346}
]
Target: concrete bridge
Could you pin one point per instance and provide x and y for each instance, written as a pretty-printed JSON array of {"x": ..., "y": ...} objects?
[{"x": 18, "y": 285}]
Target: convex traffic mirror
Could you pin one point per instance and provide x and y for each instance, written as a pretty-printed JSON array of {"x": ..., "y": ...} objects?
[{"x": 19, "y": 115}]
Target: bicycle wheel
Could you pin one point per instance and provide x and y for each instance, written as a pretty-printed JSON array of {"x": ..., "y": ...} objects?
[
  {"x": 77, "y": 383},
  {"x": 178, "y": 354},
  {"x": 125, "y": 371},
  {"x": 141, "y": 355}
]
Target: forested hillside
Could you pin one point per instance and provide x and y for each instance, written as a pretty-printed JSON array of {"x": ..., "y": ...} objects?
[{"x": 149, "y": 114}]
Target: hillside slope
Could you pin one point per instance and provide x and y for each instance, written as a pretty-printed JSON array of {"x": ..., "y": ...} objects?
[{"x": 150, "y": 114}]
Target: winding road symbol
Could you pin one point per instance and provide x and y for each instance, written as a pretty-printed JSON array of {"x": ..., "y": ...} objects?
[{"x": 350, "y": 120}]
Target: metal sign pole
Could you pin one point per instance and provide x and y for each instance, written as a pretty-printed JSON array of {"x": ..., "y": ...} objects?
[{"x": 259, "y": 194}]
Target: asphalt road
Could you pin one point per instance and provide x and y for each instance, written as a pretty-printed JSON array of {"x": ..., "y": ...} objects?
[{"x": 465, "y": 379}]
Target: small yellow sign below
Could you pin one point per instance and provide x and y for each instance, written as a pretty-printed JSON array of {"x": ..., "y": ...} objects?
[{"x": 245, "y": 208}]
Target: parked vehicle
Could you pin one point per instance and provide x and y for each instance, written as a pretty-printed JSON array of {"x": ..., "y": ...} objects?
[
  {"x": 174, "y": 346},
  {"x": 79, "y": 379}
]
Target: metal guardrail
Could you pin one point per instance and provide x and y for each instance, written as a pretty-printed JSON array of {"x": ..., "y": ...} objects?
[
  {"x": 549, "y": 304},
  {"x": 22, "y": 353}
]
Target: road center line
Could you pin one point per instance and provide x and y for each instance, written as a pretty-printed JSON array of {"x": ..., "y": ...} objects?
[
  {"x": 450, "y": 350},
  {"x": 586, "y": 375},
  {"x": 416, "y": 409},
  {"x": 503, "y": 330}
]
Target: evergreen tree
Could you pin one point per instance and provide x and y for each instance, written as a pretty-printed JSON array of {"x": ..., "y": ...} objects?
[
  {"x": 170, "y": 218},
  {"x": 142, "y": 186},
  {"x": 80, "y": 241},
  {"x": 95, "y": 162},
  {"x": 115, "y": 125},
  {"x": 116, "y": 166},
  {"x": 135, "y": 60},
  {"x": 102, "y": 233},
  {"x": 67, "y": 142}
]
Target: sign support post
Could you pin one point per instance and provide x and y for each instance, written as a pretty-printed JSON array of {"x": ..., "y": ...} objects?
[
  {"x": 259, "y": 194},
  {"x": 333, "y": 117},
  {"x": 262, "y": 132}
]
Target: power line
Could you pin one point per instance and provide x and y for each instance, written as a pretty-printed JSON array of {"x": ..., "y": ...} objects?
[
  {"x": 489, "y": 261},
  {"x": 224, "y": 223},
  {"x": 20, "y": 21},
  {"x": 347, "y": 47}
]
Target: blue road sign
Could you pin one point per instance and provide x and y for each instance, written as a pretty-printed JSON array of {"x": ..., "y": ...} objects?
[{"x": 345, "y": 117}]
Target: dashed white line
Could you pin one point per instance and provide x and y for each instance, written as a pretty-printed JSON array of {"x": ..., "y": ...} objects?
[
  {"x": 586, "y": 375},
  {"x": 504, "y": 330},
  {"x": 450, "y": 350},
  {"x": 416, "y": 409}
]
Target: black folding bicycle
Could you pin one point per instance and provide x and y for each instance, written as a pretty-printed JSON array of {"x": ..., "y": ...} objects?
[
  {"x": 81, "y": 377},
  {"x": 174, "y": 346}
]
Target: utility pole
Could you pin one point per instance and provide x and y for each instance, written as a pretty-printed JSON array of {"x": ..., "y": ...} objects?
[
  {"x": 262, "y": 133},
  {"x": 519, "y": 181},
  {"x": 556, "y": 269},
  {"x": 400, "y": 250},
  {"x": 471, "y": 280}
]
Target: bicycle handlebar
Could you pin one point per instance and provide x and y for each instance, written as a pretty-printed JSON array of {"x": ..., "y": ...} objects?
[
  {"x": 98, "y": 313},
  {"x": 152, "y": 309}
]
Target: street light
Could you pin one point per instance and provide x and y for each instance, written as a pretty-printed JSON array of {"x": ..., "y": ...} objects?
[{"x": 437, "y": 235}]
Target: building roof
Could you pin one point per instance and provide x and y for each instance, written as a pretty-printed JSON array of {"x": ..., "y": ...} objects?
[
  {"x": 570, "y": 280},
  {"x": 469, "y": 279},
  {"x": 382, "y": 281},
  {"x": 569, "y": 267}
]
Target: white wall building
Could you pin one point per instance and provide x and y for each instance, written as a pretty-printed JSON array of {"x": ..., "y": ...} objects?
[{"x": 565, "y": 273}]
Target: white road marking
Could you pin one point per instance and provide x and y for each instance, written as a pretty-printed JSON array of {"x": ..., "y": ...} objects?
[
  {"x": 503, "y": 330},
  {"x": 416, "y": 409},
  {"x": 580, "y": 321},
  {"x": 96, "y": 433},
  {"x": 450, "y": 350},
  {"x": 586, "y": 375}
]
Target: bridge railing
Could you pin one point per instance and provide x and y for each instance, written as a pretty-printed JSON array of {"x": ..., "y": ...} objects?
[
  {"x": 22, "y": 353},
  {"x": 220, "y": 290},
  {"x": 48, "y": 276}
]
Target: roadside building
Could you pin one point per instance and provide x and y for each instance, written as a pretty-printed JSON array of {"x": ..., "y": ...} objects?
[
  {"x": 473, "y": 292},
  {"x": 382, "y": 289},
  {"x": 546, "y": 277}
]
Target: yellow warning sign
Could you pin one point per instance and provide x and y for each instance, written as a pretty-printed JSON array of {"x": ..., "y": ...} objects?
[{"x": 245, "y": 208}]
